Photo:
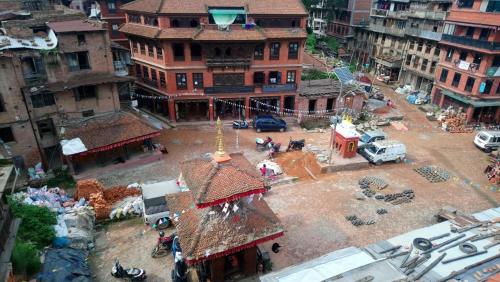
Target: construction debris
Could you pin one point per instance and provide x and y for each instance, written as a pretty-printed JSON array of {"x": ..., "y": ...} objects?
[
  {"x": 381, "y": 211},
  {"x": 398, "y": 198},
  {"x": 433, "y": 174},
  {"x": 454, "y": 121}
]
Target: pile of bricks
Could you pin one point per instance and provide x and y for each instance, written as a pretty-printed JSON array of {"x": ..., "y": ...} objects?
[
  {"x": 86, "y": 187},
  {"x": 101, "y": 207},
  {"x": 454, "y": 121},
  {"x": 117, "y": 193}
]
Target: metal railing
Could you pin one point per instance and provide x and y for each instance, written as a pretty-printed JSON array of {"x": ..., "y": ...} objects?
[
  {"x": 379, "y": 12},
  {"x": 227, "y": 62},
  {"x": 483, "y": 44},
  {"x": 275, "y": 88},
  {"x": 229, "y": 89},
  {"x": 427, "y": 34}
]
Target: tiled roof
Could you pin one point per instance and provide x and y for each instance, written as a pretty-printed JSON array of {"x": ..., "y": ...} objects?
[
  {"x": 75, "y": 26},
  {"x": 109, "y": 129},
  {"x": 83, "y": 79},
  {"x": 212, "y": 183},
  {"x": 207, "y": 233},
  {"x": 177, "y": 33},
  {"x": 140, "y": 30},
  {"x": 263, "y": 7},
  {"x": 285, "y": 33},
  {"x": 234, "y": 35},
  {"x": 326, "y": 87}
]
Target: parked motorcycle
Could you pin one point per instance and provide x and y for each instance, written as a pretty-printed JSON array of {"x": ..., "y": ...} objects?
[
  {"x": 263, "y": 144},
  {"x": 240, "y": 124},
  {"x": 179, "y": 273},
  {"x": 296, "y": 145},
  {"x": 274, "y": 150},
  {"x": 133, "y": 274},
  {"x": 163, "y": 245}
]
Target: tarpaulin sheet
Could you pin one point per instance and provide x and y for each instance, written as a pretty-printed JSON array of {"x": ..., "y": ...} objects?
[
  {"x": 73, "y": 146},
  {"x": 65, "y": 264}
]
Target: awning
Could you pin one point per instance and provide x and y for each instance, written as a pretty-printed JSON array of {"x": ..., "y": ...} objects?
[
  {"x": 468, "y": 101},
  {"x": 226, "y": 11},
  {"x": 121, "y": 143}
]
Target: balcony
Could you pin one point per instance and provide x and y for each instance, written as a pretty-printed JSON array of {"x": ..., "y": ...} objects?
[
  {"x": 277, "y": 88},
  {"x": 149, "y": 82},
  {"x": 378, "y": 13},
  {"x": 483, "y": 44},
  {"x": 427, "y": 34},
  {"x": 431, "y": 15},
  {"x": 397, "y": 14},
  {"x": 214, "y": 62},
  {"x": 229, "y": 89},
  {"x": 120, "y": 68}
]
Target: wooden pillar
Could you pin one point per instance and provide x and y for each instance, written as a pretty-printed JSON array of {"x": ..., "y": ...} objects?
[
  {"x": 470, "y": 113},
  {"x": 282, "y": 104},
  {"x": 217, "y": 269},
  {"x": 211, "y": 108},
  {"x": 247, "y": 107},
  {"x": 171, "y": 110},
  {"x": 250, "y": 261}
]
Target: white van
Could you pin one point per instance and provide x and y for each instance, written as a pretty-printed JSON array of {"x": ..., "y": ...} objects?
[
  {"x": 155, "y": 207},
  {"x": 487, "y": 140},
  {"x": 384, "y": 151}
]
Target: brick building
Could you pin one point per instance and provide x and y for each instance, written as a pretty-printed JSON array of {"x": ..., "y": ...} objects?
[
  {"x": 55, "y": 66},
  {"x": 112, "y": 14},
  {"x": 468, "y": 73},
  {"x": 198, "y": 59}
]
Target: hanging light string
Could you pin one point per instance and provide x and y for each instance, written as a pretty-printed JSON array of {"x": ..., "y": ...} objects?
[{"x": 286, "y": 112}]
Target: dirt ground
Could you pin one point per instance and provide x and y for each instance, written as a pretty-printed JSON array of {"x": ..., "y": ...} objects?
[{"x": 312, "y": 211}]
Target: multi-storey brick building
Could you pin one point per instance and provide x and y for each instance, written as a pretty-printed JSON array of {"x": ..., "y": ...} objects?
[
  {"x": 423, "y": 31},
  {"x": 468, "y": 73},
  {"x": 55, "y": 66},
  {"x": 211, "y": 58},
  {"x": 112, "y": 14}
]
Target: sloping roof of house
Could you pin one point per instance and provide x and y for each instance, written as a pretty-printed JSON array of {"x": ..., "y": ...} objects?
[
  {"x": 282, "y": 7},
  {"x": 210, "y": 233},
  {"x": 284, "y": 33},
  {"x": 75, "y": 26},
  {"x": 82, "y": 80},
  {"x": 213, "y": 183},
  {"x": 140, "y": 30},
  {"x": 326, "y": 87},
  {"x": 239, "y": 35},
  {"x": 105, "y": 132}
]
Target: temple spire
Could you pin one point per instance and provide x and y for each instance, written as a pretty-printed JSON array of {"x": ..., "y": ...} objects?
[{"x": 220, "y": 155}]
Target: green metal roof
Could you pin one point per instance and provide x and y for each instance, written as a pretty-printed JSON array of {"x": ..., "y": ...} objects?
[{"x": 468, "y": 101}]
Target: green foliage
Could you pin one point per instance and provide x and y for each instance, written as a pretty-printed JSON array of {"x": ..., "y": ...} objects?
[
  {"x": 311, "y": 42},
  {"x": 313, "y": 74},
  {"x": 61, "y": 179},
  {"x": 332, "y": 43},
  {"x": 25, "y": 258},
  {"x": 36, "y": 226}
]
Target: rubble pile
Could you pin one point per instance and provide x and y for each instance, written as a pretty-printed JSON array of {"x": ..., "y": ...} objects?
[
  {"x": 454, "y": 121},
  {"x": 117, "y": 193},
  {"x": 86, "y": 187}
]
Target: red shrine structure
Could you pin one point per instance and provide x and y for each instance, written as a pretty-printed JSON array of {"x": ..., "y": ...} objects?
[
  {"x": 223, "y": 217},
  {"x": 346, "y": 140}
]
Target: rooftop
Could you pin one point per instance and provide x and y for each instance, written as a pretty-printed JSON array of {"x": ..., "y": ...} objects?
[
  {"x": 213, "y": 183},
  {"x": 282, "y": 7},
  {"x": 212, "y": 232},
  {"x": 326, "y": 87},
  {"x": 104, "y": 132},
  {"x": 80, "y": 80},
  {"x": 75, "y": 26}
]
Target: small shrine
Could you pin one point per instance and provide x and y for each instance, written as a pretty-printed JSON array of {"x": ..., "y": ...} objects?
[
  {"x": 222, "y": 217},
  {"x": 346, "y": 138}
]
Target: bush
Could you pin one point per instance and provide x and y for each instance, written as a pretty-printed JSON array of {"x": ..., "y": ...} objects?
[
  {"x": 313, "y": 74},
  {"x": 311, "y": 42},
  {"x": 25, "y": 259},
  {"x": 37, "y": 224}
]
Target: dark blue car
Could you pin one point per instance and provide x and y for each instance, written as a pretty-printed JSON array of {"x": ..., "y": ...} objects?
[{"x": 268, "y": 123}]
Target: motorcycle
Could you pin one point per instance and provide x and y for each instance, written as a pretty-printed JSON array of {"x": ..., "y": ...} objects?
[
  {"x": 274, "y": 150},
  {"x": 133, "y": 274},
  {"x": 240, "y": 124},
  {"x": 295, "y": 145},
  {"x": 163, "y": 246},
  {"x": 263, "y": 144}
]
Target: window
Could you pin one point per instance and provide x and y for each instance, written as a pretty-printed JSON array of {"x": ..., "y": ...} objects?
[
  {"x": 449, "y": 54},
  {"x": 6, "y": 134},
  {"x": 32, "y": 67},
  {"x": 151, "y": 53},
  {"x": 312, "y": 106},
  {"x": 408, "y": 60},
  {"x": 463, "y": 55},
  {"x": 78, "y": 61},
  {"x": 274, "y": 53},
  {"x": 112, "y": 6},
  {"x": 46, "y": 128},
  {"x": 163, "y": 81},
  {"x": 290, "y": 77},
  {"x": 420, "y": 45},
  {"x": 469, "y": 84},
  {"x": 428, "y": 48},
  {"x": 456, "y": 80},
  {"x": 178, "y": 51},
  {"x": 134, "y": 18},
  {"x": 181, "y": 80},
  {"x": 114, "y": 29},
  {"x": 2, "y": 104},
  {"x": 485, "y": 32},
  {"x": 80, "y": 38},
  {"x": 329, "y": 104},
  {"x": 274, "y": 77},
  {"x": 436, "y": 51},
  {"x": 174, "y": 23},
  {"x": 43, "y": 99},
  {"x": 258, "y": 77},
  {"x": 470, "y": 32},
  {"x": 154, "y": 78},
  {"x": 258, "y": 53},
  {"x": 465, "y": 3},
  {"x": 416, "y": 62},
  {"x": 134, "y": 46},
  {"x": 152, "y": 21},
  {"x": 193, "y": 23},
  {"x": 477, "y": 59},
  {"x": 433, "y": 67},
  {"x": 424, "y": 65},
  {"x": 493, "y": 7},
  {"x": 88, "y": 113},
  {"x": 145, "y": 72},
  {"x": 412, "y": 45},
  {"x": 85, "y": 92},
  {"x": 159, "y": 53},
  {"x": 142, "y": 48},
  {"x": 195, "y": 51},
  {"x": 198, "y": 80},
  {"x": 293, "y": 50},
  {"x": 487, "y": 86}
]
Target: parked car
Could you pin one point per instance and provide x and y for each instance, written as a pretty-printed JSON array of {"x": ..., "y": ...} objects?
[
  {"x": 156, "y": 211},
  {"x": 369, "y": 137},
  {"x": 487, "y": 140},
  {"x": 268, "y": 123},
  {"x": 379, "y": 152}
]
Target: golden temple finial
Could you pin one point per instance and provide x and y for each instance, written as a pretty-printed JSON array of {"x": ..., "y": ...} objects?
[{"x": 219, "y": 142}]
